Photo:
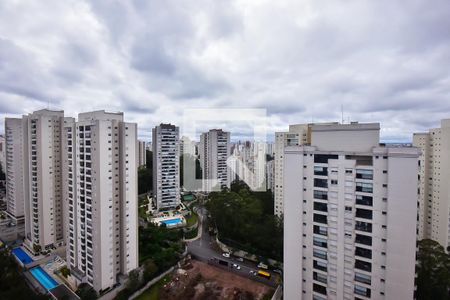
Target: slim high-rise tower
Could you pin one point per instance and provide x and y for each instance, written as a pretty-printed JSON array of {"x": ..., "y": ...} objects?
[
  {"x": 166, "y": 169},
  {"x": 434, "y": 188},
  {"x": 142, "y": 162},
  {"x": 297, "y": 135},
  {"x": 15, "y": 167},
  {"x": 214, "y": 150},
  {"x": 43, "y": 203}
]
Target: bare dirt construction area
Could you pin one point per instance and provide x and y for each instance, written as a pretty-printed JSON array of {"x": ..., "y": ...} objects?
[{"x": 201, "y": 281}]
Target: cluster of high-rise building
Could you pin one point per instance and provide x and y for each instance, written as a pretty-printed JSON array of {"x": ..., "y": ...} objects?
[
  {"x": 353, "y": 208},
  {"x": 74, "y": 183}
]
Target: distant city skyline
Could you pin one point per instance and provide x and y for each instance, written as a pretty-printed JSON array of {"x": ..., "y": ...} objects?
[{"x": 383, "y": 61}]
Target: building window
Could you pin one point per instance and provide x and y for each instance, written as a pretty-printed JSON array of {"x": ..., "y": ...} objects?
[
  {"x": 320, "y": 219},
  {"x": 320, "y": 242},
  {"x": 320, "y": 253},
  {"x": 319, "y": 289},
  {"x": 363, "y": 265},
  {"x": 364, "y": 213},
  {"x": 364, "y": 200},
  {"x": 365, "y": 187},
  {"x": 320, "y": 183},
  {"x": 320, "y": 277},
  {"x": 320, "y": 171},
  {"x": 323, "y": 158},
  {"x": 362, "y": 278},
  {"x": 364, "y": 174},
  {"x": 360, "y": 290},
  {"x": 363, "y": 239},
  {"x": 321, "y": 195},
  {"x": 363, "y": 226},
  {"x": 320, "y": 206},
  {"x": 322, "y": 230},
  {"x": 319, "y": 265}
]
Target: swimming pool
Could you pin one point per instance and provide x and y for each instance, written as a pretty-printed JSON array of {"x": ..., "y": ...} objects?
[
  {"x": 171, "y": 221},
  {"x": 22, "y": 255},
  {"x": 44, "y": 279}
]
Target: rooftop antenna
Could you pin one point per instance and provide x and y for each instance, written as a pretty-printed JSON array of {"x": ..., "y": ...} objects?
[{"x": 342, "y": 114}]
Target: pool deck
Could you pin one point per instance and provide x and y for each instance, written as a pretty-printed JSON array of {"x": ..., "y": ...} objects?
[{"x": 158, "y": 220}]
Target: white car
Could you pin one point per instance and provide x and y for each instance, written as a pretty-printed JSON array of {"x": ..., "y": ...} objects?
[
  {"x": 238, "y": 267},
  {"x": 225, "y": 254}
]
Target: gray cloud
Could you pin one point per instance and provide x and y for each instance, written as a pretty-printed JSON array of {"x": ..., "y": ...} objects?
[{"x": 384, "y": 61}]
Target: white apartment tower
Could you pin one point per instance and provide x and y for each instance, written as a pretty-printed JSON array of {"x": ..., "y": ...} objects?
[
  {"x": 3, "y": 152},
  {"x": 15, "y": 167},
  {"x": 43, "y": 203},
  {"x": 214, "y": 150},
  {"x": 350, "y": 208},
  {"x": 100, "y": 156},
  {"x": 166, "y": 166},
  {"x": 297, "y": 135},
  {"x": 142, "y": 154},
  {"x": 434, "y": 188}
]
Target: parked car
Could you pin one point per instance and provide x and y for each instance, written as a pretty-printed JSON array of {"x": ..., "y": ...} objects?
[
  {"x": 240, "y": 259},
  {"x": 252, "y": 272},
  {"x": 237, "y": 267},
  {"x": 262, "y": 265},
  {"x": 226, "y": 254}
]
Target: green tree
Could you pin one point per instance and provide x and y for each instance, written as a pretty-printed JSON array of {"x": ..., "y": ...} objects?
[
  {"x": 245, "y": 220},
  {"x": 133, "y": 282},
  {"x": 65, "y": 271},
  {"x": 86, "y": 292},
  {"x": 145, "y": 180},
  {"x": 433, "y": 271},
  {"x": 150, "y": 269},
  {"x": 12, "y": 284}
]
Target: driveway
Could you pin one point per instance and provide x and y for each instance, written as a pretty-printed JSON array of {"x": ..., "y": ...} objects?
[{"x": 205, "y": 249}]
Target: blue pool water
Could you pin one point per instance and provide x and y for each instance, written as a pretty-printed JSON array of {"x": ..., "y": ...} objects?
[
  {"x": 43, "y": 278},
  {"x": 171, "y": 221},
  {"x": 22, "y": 255}
]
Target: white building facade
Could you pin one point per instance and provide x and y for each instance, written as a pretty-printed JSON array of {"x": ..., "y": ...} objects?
[
  {"x": 434, "y": 188},
  {"x": 214, "y": 151},
  {"x": 16, "y": 167},
  {"x": 350, "y": 208},
  {"x": 297, "y": 135},
  {"x": 166, "y": 166},
  {"x": 43, "y": 203},
  {"x": 142, "y": 156},
  {"x": 100, "y": 196}
]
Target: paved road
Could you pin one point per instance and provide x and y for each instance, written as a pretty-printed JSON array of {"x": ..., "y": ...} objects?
[{"x": 204, "y": 249}]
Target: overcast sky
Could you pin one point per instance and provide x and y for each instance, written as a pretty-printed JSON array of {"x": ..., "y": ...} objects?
[{"x": 385, "y": 61}]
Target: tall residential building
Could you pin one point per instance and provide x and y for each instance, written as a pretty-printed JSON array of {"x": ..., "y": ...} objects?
[
  {"x": 142, "y": 155},
  {"x": 350, "y": 208},
  {"x": 3, "y": 152},
  {"x": 214, "y": 150},
  {"x": 297, "y": 135},
  {"x": 15, "y": 167},
  {"x": 166, "y": 166},
  {"x": 269, "y": 175},
  {"x": 248, "y": 163},
  {"x": 43, "y": 203},
  {"x": 100, "y": 158},
  {"x": 434, "y": 188}
]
